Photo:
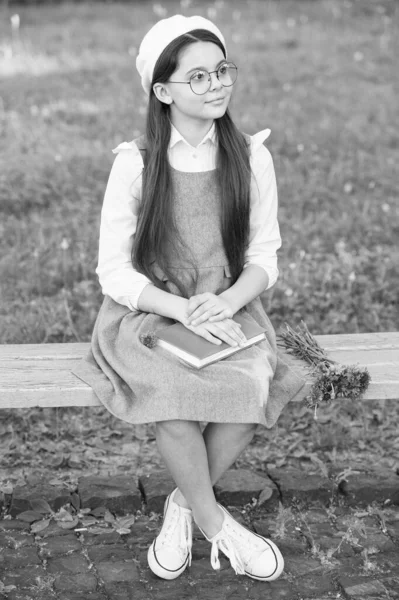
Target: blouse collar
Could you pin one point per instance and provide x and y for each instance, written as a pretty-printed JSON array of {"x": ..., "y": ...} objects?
[{"x": 176, "y": 137}]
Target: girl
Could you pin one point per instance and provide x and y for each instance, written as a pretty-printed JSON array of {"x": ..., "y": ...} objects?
[{"x": 189, "y": 233}]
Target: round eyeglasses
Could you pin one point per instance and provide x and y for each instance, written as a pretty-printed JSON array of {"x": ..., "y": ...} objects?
[{"x": 201, "y": 81}]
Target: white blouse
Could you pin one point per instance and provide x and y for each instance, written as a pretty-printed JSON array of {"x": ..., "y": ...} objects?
[{"x": 117, "y": 277}]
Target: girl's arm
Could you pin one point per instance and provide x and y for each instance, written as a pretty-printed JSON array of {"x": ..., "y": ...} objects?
[
  {"x": 252, "y": 282},
  {"x": 154, "y": 300},
  {"x": 118, "y": 278},
  {"x": 260, "y": 270}
]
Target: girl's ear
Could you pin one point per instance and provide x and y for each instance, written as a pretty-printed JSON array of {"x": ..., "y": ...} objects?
[{"x": 162, "y": 93}]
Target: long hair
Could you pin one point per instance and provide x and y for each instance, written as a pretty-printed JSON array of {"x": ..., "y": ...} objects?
[{"x": 156, "y": 229}]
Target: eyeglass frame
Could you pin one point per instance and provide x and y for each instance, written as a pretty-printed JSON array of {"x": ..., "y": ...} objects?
[{"x": 210, "y": 78}]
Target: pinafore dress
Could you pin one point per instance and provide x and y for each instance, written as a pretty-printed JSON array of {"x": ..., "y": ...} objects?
[{"x": 139, "y": 384}]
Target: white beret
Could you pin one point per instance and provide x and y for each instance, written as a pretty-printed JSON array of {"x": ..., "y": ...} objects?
[{"x": 160, "y": 36}]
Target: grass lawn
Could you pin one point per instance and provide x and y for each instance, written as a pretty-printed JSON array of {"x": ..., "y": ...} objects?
[{"x": 319, "y": 74}]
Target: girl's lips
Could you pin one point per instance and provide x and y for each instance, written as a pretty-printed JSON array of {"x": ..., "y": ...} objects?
[{"x": 215, "y": 100}]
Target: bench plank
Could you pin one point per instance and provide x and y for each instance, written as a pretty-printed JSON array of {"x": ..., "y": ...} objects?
[{"x": 40, "y": 374}]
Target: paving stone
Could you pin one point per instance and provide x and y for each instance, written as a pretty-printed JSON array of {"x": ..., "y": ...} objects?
[
  {"x": 24, "y": 578},
  {"x": 239, "y": 486},
  {"x": 292, "y": 542},
  {"x": 120, "y": 493},
  {"x": 391, "y": 584},
  {"x": 15, "y": 539},
  {"x": 118, "y": 570},
  {"x": 393, "y": 529},
  {"x": 13, "y": 525},
  {"x": 156, "y": 486},
  {"x": 133, "y": 591},
  {"x": 73, "y": 563},
  {"x": 362, "y": 489},
  {"x": 316, "y": 515},
  {"x": 84, "y": 596},
  {"x": 335, "y": 546},
  {"x": 363, "y": 587},
  {"x": 32, "y": 594},
  {"x": 142, "y": 534},
  {"x": 201, "y": 549},
  {"x": 345, "y": 521},
  {"x": 314, "y": 585},
  {"x": 294, "y": 483},
  {"x": 176, "y": 589},
  {"x": 323, "y": 536},
  {"x": 54, "y": 546},
  {"x": 376, "y": 542},
  {"x": 38, "y": 488},
  {"x": 281, "y": 589},
  {"x": 201, "y": 567},
  {"x": 108, "y": 553},
  {"x": 319, "y": 529},
  {"x": 91, "y": 539},
  {"x": 17, "y": 558},
  {"x": 383, "y": 562},
  {"x": 75, "y": 582},
  {"x": 302, "y": 565}
]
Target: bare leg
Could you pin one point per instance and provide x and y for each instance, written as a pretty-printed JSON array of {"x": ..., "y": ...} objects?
[
  {"x": 212, "y": 453},
  {"x": 224, "y": 443},
  {"x": 183, "y": 450}
]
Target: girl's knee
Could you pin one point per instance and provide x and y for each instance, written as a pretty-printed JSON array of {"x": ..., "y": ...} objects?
[
  {"x": 176, "y": 427},
  {"x": 249, "y": 428}
]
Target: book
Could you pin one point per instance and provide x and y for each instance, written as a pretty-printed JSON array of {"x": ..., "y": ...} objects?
[{"x": 199, "y": 352}]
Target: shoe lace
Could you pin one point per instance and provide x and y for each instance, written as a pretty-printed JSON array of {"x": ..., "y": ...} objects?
[
  {"x": 228, "y": 540},
  {"x": 178, "y": 523}
]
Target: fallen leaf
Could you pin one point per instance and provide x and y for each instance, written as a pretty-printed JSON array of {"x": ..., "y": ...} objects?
[
  {"x": 109, "y": 517},
  {"x": 41, "y": 506},
  {"x": 29, "y": 516},
  {"x": 40, "y": 525},
  {"x": 122, "y": 531},
  {"x": 68, "y": 524},
  {"x": 126, "y": 522},
  {"x": 265, "y": 494}
]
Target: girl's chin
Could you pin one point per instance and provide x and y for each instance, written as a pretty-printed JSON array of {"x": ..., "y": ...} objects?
[{"x": 217, "y": 108}]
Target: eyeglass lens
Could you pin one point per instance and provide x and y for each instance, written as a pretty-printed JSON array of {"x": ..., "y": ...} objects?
[{"x": 201, "y": 80}]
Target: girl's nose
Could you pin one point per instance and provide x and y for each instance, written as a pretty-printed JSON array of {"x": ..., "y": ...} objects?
[{"x": 215, "y": 83}]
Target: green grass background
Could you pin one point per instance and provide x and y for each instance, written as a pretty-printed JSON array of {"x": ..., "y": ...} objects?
[{"x": 320, "y": 74}]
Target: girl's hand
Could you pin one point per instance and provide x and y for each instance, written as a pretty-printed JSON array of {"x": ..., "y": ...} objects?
[
  {"x": 207, "y": 307},
  {"x": 227, "y": 330}
]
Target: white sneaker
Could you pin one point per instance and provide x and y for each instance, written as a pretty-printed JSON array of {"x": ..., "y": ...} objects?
[
  {"x": 249, "y": 553},
  {"x": 170, "y": 552}
]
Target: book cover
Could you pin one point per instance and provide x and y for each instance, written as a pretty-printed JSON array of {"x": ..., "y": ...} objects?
[{"x": 198, "y": 351}]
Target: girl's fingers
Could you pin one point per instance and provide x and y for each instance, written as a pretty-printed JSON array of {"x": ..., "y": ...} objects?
[
  {"x": 201, "y": 315},
  {"x": 218, "y": 317},
  {"x": 197, "y": 301},
  {"x": 230, "y": 335}
]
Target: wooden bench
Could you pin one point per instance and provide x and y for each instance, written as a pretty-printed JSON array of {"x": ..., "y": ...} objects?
[{"x": 40, "y": 374}]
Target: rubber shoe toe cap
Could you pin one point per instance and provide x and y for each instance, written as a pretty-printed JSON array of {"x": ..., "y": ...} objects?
[
  {"x": 166, "y": 562},
  {"x": 267, "y": 566}
]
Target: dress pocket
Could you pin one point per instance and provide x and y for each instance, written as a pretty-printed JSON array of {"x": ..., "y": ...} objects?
[{"x": 226, "y": 282}]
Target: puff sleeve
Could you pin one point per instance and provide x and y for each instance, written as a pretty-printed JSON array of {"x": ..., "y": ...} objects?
[
  {"x": 264, "y": 239},
  {"x": 117, "y": 277}
]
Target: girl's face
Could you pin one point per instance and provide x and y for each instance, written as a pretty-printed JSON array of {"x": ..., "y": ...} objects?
[{"x": 184, "y": 103}]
